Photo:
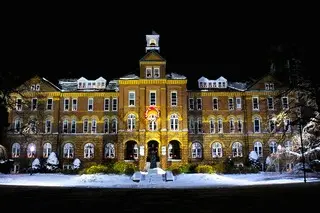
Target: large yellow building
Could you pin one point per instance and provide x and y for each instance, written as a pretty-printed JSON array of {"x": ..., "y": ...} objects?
[{"x": 128, "y": 118}]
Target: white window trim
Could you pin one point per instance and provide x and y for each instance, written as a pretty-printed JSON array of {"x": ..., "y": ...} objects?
[
  {"x": 146, "y": 71},
  {"x": 64, "y": 104},
  {"x": 48, "y": 104},
  {"x": 238, "y": 106},
  {"x": 89, "y": 104},
  {"x": 76, "y": 105},
  {"x": 114, "y": 110},
  {"x": 171, "y": 98},
  {"x": 154, "y": 72},
  {"x": 257, "y": 103},
  {"x": 272, "y": 103},
  {"x": 254, "y": 127},
  {"x": 213, "y": 103},
  {"x": 134, "y": 98},
  {"x": 201, "y": 107}
]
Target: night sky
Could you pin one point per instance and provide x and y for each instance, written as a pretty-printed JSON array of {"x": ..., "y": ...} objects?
[{"x": 66, "y": 45}]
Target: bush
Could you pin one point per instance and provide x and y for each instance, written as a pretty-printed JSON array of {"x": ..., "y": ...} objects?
[
  {"x": 219, "y": 167},
  {"x": 175, "y": 169},
  {"x": 192, "y": 167},
  {"x": 204, "y": 169},
  {"x": 96, "y": 169},
  {"x": 124, "y": 168}
]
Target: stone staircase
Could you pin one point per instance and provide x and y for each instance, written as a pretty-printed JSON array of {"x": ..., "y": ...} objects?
[{"x": 153, "y": 176}]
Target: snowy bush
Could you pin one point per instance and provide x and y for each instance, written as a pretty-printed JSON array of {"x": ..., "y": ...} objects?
[
  {"x": 52, "y": 162},
  {"x": 76, "y": 163},
  {"x": 254, "y": 161},
  {"x": 36, "y": 165}
]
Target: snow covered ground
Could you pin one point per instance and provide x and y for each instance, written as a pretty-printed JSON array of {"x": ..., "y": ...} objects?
[{"x": 180, "y": 181}]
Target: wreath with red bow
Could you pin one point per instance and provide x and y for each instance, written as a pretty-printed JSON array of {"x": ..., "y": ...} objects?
[{"x": 152, "y": 108}]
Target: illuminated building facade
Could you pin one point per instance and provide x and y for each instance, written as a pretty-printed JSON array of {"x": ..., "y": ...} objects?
[{"x": 127, "y": 118}]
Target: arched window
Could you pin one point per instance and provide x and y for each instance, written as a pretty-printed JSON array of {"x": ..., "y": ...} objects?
[
  {"x": 273, "y": 147},
  {"x": 196, "y": 150},
  {"x": 236, "y": 149},
  {"x": 68, "y": 150},
  {"x": 131, "y": 122},
  {"x": 174, "y": 150},
  {"x": 174, "y": 122},
  {"x": 47, "y": 149},
  {"x": 31, "y": 150},
  {"x": 15, "y": 150},
  {"x": 152, "y": 123},
  {"x": 109, "y": 151},
  {"x": 216, "y": 150},
  {"x": 258, "y": 148},
  {"x": 88, "y": 150}
]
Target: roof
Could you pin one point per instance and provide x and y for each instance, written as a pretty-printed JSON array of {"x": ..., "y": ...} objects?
[{"x": 52, "y": 84}]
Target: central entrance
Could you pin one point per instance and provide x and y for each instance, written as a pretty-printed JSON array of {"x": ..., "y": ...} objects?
[{"x": 153, "y": 154}]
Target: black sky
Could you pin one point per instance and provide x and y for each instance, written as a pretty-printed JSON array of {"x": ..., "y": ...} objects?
[{"x": 66, "y": 44}]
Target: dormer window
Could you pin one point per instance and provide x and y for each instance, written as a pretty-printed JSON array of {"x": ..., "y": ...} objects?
[
  {"x": 219, "y": 83},
  {"x": 37, "y": 87},
  {"x": 32, "y": 87},
  {"x": 269, "y": 86},
  {"x": 81, "y": 85}
]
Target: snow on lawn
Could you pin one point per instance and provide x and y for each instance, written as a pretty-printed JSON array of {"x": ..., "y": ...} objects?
[{"x": 123, "y": 181}]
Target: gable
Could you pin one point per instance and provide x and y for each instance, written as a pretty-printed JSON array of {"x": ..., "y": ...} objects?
[
  {"x": 152, "y": 56},
  {"x": 38, "y": 84},
  {"x": 267, "y": 79}
]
